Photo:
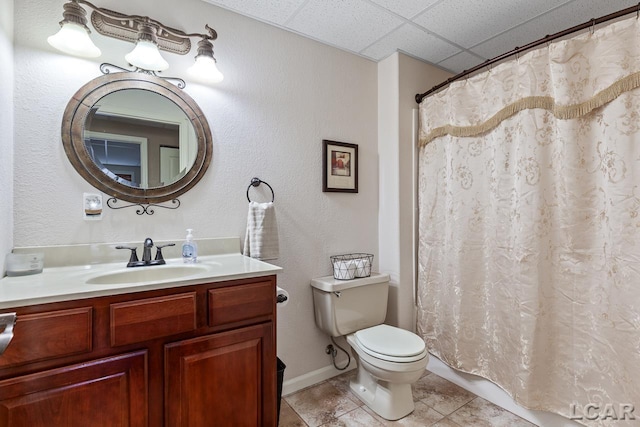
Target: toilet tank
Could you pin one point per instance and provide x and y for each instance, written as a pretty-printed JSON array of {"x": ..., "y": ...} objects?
[{"x": 345, "y": 306}]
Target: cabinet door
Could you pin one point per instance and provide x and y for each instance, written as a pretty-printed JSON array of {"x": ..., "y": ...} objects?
[
  {"x": 225, "y": 379},
  {"x": 106, "y": 392}
]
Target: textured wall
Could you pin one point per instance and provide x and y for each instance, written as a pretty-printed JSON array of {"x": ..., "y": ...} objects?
[
  {"x": 415, "y": 77},
  {"x": 281, "y": 96},
  {"x": 400, "y": 77},
  {"x": 6, "y": 128},
  {"x": 389, "y": 221}
]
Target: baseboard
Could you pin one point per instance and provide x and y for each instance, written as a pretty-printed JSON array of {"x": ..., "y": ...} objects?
[
  {"x": 491, "y": 392},
  {"x": 314, "y": 377}
]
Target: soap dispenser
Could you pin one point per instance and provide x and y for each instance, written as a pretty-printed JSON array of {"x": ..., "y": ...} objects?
[{"x": 189, "y": 249}]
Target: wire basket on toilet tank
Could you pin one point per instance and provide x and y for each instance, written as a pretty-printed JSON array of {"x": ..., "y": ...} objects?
[{"x": 350, "y": 266}]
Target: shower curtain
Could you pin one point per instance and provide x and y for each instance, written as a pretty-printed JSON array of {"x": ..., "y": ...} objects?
[{"x": 529, "y": 226}]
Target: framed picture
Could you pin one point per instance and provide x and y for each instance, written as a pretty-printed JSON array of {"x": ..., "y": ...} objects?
[{"x": 339, "y": 167}]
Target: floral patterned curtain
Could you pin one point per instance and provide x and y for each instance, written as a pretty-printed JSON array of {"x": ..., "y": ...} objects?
[{"x": 529, "y": 232}]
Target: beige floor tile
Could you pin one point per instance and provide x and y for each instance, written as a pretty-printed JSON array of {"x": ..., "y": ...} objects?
[
  {"x": 356, "y": 418},
  {"x": 482, "y": 413},
  {"x": 421, "y": 416},
  {"x": 446, "y": 422},
  {"x": 331, "y": 403},
  {"x": 288, "y": 417},
  {"x": 320, "y": 404},
  {"x": 341, "y": 382},
  {"x": 440, "y": 394}
]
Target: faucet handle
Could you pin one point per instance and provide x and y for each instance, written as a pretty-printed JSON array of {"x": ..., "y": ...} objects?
[
  {"x": 134, "y": 255},
  {"x": 159, "y": 256}
]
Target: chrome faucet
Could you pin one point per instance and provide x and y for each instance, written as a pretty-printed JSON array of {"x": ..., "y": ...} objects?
[{"x": 146, "y": 254}]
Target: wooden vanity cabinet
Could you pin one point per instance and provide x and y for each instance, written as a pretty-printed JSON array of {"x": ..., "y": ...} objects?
[{"x": 200, "y": 355}]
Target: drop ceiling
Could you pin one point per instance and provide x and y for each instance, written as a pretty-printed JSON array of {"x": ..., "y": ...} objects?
[{"x": 452, "y": 34}]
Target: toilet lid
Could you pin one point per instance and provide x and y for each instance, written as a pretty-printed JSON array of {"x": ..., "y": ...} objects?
[{"x": 390, "y": 341}]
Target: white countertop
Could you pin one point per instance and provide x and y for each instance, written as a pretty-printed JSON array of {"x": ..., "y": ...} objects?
[{"x": 70, "y": 283}]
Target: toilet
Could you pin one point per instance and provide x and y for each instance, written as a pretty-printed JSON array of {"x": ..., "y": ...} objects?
[{"x": 389, "y": 359}]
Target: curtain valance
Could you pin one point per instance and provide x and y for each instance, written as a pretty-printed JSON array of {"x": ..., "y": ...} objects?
[{"x": 569, "y": 78}]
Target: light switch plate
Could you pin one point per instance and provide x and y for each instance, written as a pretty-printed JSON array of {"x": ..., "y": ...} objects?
[{"x": 92, "y": 206}]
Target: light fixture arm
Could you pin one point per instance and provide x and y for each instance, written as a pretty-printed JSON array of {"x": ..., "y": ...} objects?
[{"x": 210, "y": 35}]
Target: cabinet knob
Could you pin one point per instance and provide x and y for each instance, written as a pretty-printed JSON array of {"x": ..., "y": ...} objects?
[{"x": 7, "y": 320}]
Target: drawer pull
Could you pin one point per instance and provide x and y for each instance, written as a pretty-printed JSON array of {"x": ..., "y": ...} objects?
[{"x": 8, "y": 320}]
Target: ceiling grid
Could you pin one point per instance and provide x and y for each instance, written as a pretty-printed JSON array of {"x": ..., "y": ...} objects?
[{"x": 454, "y": 35}]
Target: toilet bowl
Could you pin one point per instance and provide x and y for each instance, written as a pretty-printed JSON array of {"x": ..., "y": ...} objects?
[{"x": 389, "y": 359}]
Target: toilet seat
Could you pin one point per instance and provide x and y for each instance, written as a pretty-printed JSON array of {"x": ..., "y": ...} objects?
[{"x": 391, "y": 344}]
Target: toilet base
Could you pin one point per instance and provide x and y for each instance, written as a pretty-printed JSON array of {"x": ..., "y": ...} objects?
[{"x": 391, "y": 401}]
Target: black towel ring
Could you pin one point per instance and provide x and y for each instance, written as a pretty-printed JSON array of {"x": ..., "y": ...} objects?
[{"x": 256, "y": 182}]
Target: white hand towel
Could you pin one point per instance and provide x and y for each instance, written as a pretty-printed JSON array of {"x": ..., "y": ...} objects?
[{"x": 261, "y": 239}]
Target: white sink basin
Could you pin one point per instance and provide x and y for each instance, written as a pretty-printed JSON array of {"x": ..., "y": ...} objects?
[{"x": 148, "y": 274}]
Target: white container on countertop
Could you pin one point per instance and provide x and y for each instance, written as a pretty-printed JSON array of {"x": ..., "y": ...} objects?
[{"x": 24, "y": 264}]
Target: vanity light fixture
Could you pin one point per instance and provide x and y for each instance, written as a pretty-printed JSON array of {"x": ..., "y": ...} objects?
[{"x": 149, "y": 35}]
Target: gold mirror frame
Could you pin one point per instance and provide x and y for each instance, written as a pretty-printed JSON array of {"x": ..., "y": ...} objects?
[{"x": 73, "y": 136}]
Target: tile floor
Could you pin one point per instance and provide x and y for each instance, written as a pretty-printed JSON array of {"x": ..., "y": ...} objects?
[{"x": 439, "y": 403}]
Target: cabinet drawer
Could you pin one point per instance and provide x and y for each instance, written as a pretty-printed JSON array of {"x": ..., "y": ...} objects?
[
  {"x": 242, "y": 302},
  {"x": 48, "y": 335},
  {"x": 147, "y": 319}
]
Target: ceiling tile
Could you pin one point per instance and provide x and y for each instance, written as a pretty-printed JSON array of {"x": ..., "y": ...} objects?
[
  {"x": 350, "y": 24},
  {"x": 436, "y": 31},
  {"x": 560, "y": 19},
  {"x": 405, "y": 8},
  {"x": 460, "y": 62},
  {"x": 469, "y": 22},
  {"x": 275, "y": 11},
  {"x": 412, "y": 41}
]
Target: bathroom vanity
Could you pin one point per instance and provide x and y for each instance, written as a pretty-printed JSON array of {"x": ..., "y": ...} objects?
[{"x": 106, "y": 346}]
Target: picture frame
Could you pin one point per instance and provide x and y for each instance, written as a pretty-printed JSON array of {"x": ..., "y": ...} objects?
[{"x": 339, "y": 167}]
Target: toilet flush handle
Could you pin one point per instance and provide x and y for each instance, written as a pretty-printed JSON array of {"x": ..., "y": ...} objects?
[{"x": 337, "y": 293}]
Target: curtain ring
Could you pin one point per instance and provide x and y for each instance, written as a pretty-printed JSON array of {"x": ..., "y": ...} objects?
[
  {"x": 638, "y": 11},
  {"x": 593, "y": 26}
]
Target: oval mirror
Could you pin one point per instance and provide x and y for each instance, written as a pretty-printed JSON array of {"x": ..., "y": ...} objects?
[{"x": 136, "y": 137}]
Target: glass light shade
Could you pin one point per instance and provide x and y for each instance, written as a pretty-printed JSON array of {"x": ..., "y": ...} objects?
[
  {"x": 74, "y": 40},
  {"x": 146, "y": 56},
  {"x": 205, "y": 70}
]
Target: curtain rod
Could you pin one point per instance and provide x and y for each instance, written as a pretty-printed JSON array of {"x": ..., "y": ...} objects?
[{"x": 589, "y": 24}]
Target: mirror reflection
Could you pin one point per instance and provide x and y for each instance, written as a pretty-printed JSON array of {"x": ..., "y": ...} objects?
[
  {"x": 140, "y": 138},
  {"x": 136, "y": 137}
]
